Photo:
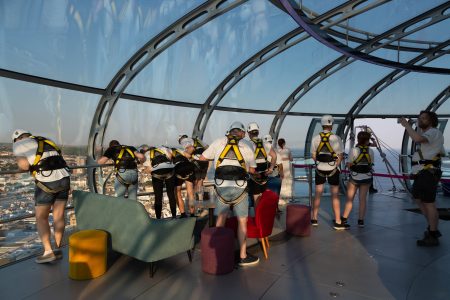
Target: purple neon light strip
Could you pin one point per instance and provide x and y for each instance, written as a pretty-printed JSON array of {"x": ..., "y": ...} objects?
[{"x": 330, "y": 42}]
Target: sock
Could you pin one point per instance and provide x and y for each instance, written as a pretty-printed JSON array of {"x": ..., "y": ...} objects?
[{"x": 47, "y": 252}]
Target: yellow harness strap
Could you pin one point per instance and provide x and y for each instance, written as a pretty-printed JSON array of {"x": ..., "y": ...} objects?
[
  {"x": 325, "y": 142},
  {"x": 364, "y": 153},
  {"x": 197, "y": 144},
  {"x": 232, "y": 145},
  {"x": 154, "y": 150},
  {"x": 122, "y": 151},
  {"x": 40, "y": 150},
  {"x": 259, "y": 148}
]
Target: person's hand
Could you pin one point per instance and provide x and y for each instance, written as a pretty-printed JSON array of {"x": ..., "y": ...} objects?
[
  {"x": 269, "y": 171},
  {"x": 404, "y": 122}
]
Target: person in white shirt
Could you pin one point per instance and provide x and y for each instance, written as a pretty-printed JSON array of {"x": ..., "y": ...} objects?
[
  {"x": 43, "y": 159},
  {"x": 234, "y": 160},
  {"x": 326, "y": 151},
  {"x": 262, "y": 151},
  {"x": 287, "y": 185},
  {"x": 360, "y": 162},
  {"x": 426, "y": 170},
  {"x": 275, "y": 178}
]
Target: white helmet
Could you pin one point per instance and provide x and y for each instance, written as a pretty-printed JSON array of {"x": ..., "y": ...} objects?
[
  {"x": 19, "y": 132},
  {"x": 327, "y": 120},
  {"x": 236, "y": 125},
  {"x": 252, "y": 126},
  {"x": 267, "y": 138},
  {"x": 186, "y": 142}
]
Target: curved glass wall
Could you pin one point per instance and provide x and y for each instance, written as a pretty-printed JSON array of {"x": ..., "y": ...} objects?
[
  {"x": 92, "y": 39},
  {"x": 338, "y": 93},
  {"x": 135, "y": 123},
  {"x": 409, "y": 94},
  {"x": 392, "y": 13},
  {"x": 191, "y": 68},
  {"x": 263, "y": 89},
  {"x": 220, "y": 121},
  {"x": 60, "y": 114}
]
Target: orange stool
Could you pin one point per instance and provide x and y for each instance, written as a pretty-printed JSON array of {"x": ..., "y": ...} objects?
[{"x": 87, "y": 254}]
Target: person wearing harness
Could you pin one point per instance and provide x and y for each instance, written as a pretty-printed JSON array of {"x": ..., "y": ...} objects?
[
  {"x": 126, "y": 159},
  {"x": 360, "y": 162},
  {"x": 275, "y": 178},
  {"x": 258, "y": 183},
  {"x": 426, "y": 170},
  {"x": 184, "y": 172},
  {"x": 326, "y": 151},
  {"x": 159, "y": 164},
  {"x": 234, "y": 160},
  {"x": 43, "y": 159}
]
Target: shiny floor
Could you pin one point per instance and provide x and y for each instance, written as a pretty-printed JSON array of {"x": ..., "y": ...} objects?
[{"x": 380, "y": 261}]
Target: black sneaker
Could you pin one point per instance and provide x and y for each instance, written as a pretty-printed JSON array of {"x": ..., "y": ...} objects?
[
  {"x": 344, "y": 220},
  {"x": 183, "y": 215},
  {"x": 45, "y": 258},
  {"x": 58, "y": 253},
  {"x": 436, "y": 234},
  {"x": 360, "y": 223},
  {"x": 342, "y": 226},
  {"x": 314, "y": 223},
  {"x": 428, "y": 241},
  {"x": 250, "y": 260}
]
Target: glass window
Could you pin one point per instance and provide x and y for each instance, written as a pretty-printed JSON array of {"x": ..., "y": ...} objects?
[
  {"x": 191, "y": 68},
  {"x": 84, "y": 42},
  {"x": 270, "y": 84}
]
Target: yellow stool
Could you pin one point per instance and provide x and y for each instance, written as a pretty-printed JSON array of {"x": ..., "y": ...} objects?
[{"x": 87, "y": 254}]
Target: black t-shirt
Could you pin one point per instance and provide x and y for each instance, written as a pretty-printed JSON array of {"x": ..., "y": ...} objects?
[{"x": 113, "y": 153}]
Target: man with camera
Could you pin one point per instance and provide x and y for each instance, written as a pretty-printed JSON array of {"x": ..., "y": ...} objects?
[{"x": 426, "y": 170}]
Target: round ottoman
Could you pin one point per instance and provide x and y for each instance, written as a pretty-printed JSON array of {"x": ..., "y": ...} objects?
[
  {"x": 217, "y": 245},
  {"x": 298, "y": 219},
  {"x": 87, "y": 254}
]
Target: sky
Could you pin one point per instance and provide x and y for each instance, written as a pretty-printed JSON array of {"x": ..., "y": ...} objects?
[{"x": 86, "y": 42}]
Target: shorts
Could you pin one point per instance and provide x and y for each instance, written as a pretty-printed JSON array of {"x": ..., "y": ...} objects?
[
  {"x": 332, "y": 180},
  {"x": 44, "y": 198},
  {"x": 179, "y": 181},
  {"x": 358, "y": 182},
  {"x": 425, "y": 186},
  {"x": 255, "y": 188},
  {"x": 201, "y": 168},
  {"x": 240, "y": 209}
]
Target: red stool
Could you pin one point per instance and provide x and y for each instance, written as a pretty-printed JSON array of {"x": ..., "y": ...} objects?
[
  {"x": 298, "y": 220},
  {"x": 217, "y": 244}
]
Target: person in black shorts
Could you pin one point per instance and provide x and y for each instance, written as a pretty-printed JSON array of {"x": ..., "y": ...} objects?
[
  {"x": 326, "y": 151},
  {"x": 184, "y": 172},
  {"x": 426, "y": 170}
]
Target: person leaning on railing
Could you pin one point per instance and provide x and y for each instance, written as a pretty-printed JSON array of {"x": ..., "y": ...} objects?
[
  {"x": 126, "y": 159},
  {"x": 43, "y": 159}
]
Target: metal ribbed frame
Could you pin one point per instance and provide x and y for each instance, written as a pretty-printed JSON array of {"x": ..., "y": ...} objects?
[{"x": 434, "y": 15}]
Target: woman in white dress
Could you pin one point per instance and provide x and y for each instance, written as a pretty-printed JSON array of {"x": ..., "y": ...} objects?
[{"x": 287, "y": 184}]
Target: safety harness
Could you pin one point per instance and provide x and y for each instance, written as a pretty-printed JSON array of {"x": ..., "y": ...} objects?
[
  {"x": 184, "y": 168},
  {"x": 237, "y": 173},
  {"x": 158, "y": 156},
  {"x": 49, "y": 163},
  {"x": 325, "y": 156},
  {"x": 198, "y": 146},
  {"x": 363, "y": 163},
  {"x": 435, "y": 162},
  {"x": 125, "y": 160},
  {"x": 262, "y": 164}
]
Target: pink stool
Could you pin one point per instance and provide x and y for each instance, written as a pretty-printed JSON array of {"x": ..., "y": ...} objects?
[
  {"x": 217, "y": 245},
  {"x": 298, "y": 220}
]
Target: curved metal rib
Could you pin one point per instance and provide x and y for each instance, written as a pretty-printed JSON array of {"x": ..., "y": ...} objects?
[
  {"x": 288, "y": 40},
  {"x": 392, "y": 77},
  {"x": 439, "y": 100},
  {"x": 330, "y": 42},
  {"x": 174, "y": 32},
  {"x": 433, "y": 16}
]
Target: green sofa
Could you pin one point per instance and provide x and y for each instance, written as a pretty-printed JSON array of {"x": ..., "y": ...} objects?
[{"x": 132, "y": 231}]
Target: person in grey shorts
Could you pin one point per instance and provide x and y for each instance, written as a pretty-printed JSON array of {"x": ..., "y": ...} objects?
[
  {"x": 43, "y": 159},
  {"x": 234, "y": 160}
]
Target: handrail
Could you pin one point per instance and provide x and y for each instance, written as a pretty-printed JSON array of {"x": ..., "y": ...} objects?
[{"x": 10, "y": 172}]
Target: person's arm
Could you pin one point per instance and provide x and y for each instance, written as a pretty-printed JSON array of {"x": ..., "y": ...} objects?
[
  {"x": 280, "y": 170},
  {"x": 290, "y": 156},
  {"x": 102, "y": 160},
  {"x": 139, "y": 156},
  {"x": 415, "y": 136},
  {"x": 273, "y": 156},
  {"x": 23, "y": 163}
]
